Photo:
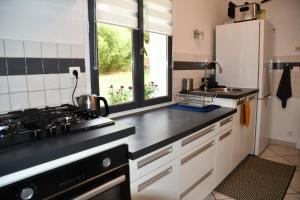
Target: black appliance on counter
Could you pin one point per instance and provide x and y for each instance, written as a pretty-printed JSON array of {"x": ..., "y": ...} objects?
[
  {"x": 104, "y": 176},
  {"x": 37, "y": 124}
]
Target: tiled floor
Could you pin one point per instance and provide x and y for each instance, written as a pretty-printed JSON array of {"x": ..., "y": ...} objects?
[{"x": 281, "y": 154}]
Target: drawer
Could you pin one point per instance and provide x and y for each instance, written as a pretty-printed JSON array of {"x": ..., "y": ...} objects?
[
  {"x": 201, "y": 188},
  {"x": 196, "y": 139},
  {"x": 157, "y": 185},
  {"x": 195, "y": 164},
  {"x": 225, "y": 123},
  {"x": 151, "y": 161}
]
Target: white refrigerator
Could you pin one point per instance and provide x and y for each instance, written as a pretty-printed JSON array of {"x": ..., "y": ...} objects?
[{"x": 245, "y": 52}]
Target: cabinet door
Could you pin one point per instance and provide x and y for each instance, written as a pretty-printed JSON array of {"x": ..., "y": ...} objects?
[
  {"x": 196, "y": 167},
  {"x": 250, "y": 131},
  {"x": 161, "y": 184},
  {"x": 238, "y": 138},
  {"x": 223, "y": 158}
]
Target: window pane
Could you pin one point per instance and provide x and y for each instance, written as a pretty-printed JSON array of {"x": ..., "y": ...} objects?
[
  {"x": 155, "y": 65},
  {"x": 115, "y": 63}
]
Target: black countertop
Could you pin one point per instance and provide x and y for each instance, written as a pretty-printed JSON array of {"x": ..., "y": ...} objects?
[
  {"x": 163, "y": 126},
  {"x": 233, "y": 95},
  {"x": 18, "y": 157}
]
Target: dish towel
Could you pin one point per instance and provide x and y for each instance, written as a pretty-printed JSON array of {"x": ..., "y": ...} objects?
[
  {"x": 284, "y": 91},
  {"x": 247, "y": 111},
  {"x": 242, "y": 121}
]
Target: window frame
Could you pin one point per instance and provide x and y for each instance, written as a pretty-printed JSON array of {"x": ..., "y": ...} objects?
[{"x": 138, "y": 65}]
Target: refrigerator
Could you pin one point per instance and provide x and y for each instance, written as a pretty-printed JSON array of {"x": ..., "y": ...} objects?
[{"x": 245, "y": 52}]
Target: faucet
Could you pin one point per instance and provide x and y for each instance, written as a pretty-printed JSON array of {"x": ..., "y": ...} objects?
[{"x": 205, "y": 82}]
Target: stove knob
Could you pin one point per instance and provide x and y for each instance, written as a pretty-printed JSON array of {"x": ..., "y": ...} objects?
[
  {"x": 106, "y": 162},
  {"x": 26, "y": 193}
]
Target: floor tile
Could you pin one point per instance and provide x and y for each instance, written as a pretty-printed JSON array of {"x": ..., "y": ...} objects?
[
  {"x": 295, "y": 184},
  {"x": 284, "y": 150},
  {"x": 292, "y": 197},
  {"x": 293, "y": 159},
  {"x": 218, "y": 196},
  {"x": 291, "y": 191},
  {"x": 268, "y": 153},
  {"x": 278, "y": 159}
]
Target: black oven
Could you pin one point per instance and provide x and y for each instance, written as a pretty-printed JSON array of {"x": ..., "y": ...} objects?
[{"x": 104, "y": 176}]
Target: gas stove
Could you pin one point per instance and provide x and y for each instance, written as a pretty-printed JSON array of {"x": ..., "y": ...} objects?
[{"x": 36, "y": 124}]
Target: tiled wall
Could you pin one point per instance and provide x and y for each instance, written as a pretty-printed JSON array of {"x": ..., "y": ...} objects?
[
  {"x": 178, "y": 75},
  {"x": 36, "y": 74}
]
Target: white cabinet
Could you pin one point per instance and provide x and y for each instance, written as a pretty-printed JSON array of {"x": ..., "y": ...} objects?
[
  {"x": 161, "y": 184},
  {"x": 250, "y": 131},
  {"x": 193, "y": 167},
  {"x": 238, "y": 137},
  {"x": 223, "y": 156}
]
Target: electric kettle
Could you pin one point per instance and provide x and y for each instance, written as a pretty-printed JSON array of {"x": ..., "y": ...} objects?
[{"x": 92, "y": 102}]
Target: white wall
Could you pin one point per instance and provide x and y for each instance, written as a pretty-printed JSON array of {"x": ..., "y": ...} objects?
[
  {"x": 189, "y": 15},
  {"x": 42, "y": 20}
]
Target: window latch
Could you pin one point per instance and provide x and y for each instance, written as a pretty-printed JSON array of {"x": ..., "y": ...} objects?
[{"x": 142, "y": 51}]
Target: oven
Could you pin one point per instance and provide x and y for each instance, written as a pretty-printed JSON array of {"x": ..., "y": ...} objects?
[{"x": 104, "y": 176}]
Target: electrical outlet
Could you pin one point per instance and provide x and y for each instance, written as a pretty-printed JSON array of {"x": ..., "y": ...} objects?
[
  {"x": 290, "y": 134},
  {"x": 71, "y": 69}
]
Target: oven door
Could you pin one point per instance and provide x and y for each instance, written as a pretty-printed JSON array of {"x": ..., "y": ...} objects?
[{"x": 113, "y": 185}]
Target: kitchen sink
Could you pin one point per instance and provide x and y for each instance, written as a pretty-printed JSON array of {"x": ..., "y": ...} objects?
[{"x": 224, "y": 90}]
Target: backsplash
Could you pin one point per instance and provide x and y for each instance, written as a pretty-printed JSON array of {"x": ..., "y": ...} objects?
[{"x": 35, "y": 74}]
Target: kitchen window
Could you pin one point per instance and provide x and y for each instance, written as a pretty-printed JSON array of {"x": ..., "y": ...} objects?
[{"x": 130, "y": 52}]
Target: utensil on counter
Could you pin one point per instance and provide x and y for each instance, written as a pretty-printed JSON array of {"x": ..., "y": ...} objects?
[
  {"x": 187, "y": 85},
  {"x": 92, "y": 102}
]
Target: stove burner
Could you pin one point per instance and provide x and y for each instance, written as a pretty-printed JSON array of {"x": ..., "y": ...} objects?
[{"x": 34, "y": 124}]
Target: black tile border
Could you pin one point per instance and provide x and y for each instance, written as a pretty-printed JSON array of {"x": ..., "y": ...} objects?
[
  {"x": 3, "y": 69},
  {"x": 31, "y": 66},
  {"x": 16, "y": 66},
  {"x": 282, "y": 65},
  {"x": 185, "y": 65}
]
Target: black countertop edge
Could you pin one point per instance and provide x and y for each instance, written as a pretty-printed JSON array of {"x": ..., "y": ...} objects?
[
  {"x": 237, "y": 96},
  {"x": 19, "y": 157},
  {"x": 156, "y": 146}
]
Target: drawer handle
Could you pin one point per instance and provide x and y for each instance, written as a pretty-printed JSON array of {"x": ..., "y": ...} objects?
[
  {"x": 155, "y": 178},
  {"x": 198, "y": 135},
  {"x": 196, "y": 184},
  {"x": 196, "y": 153},
  {"x": 225, "y": 135},
  {"x": 225, "y": 121},
  {"x": 154, "y": 157}
]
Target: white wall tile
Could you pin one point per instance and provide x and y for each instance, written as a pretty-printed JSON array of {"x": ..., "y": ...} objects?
[
  {"x": 35, "y": 82},
  {"x": 19, "y": 101},
  {"x": 37, "y": 99},
  {"x": 51, "y": 81},
  {"x": 52, "y": 97},
  {"x": 49, "y": 50},
  {"x": 64, "y": 50},
  {"x": 77, "y": 51},
  {"x": 1, "y": 48},
  {"x": 66, "y": 81},
  {"x": 14, "y": 48},
  {"x": 5, "y": 103},
  {"x": 82, "y": 80},
  {"x": 80, "y": 91},
  {"x": 66, "y": 96},
  {"x": 3, "y": 85},
  {"x": 17, "y": 83},
  {"x": 33, "y": 49}
]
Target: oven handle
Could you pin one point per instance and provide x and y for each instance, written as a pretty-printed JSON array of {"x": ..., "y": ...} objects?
[{"x": 102, "y": 188}]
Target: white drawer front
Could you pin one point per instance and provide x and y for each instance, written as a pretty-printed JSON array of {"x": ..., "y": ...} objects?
[
  {"x": 195, "y": 164},
  {"x": 196, "y": 139},
  {"x": 200, "y": 189},
  {"x": 150, "y": 162},
  {"x": 225, "y": 123},
  {"x": 158, "y": 185}
]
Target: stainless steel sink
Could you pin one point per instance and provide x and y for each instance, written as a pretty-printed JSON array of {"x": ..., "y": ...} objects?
[{"x": 224, "y": 90}]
